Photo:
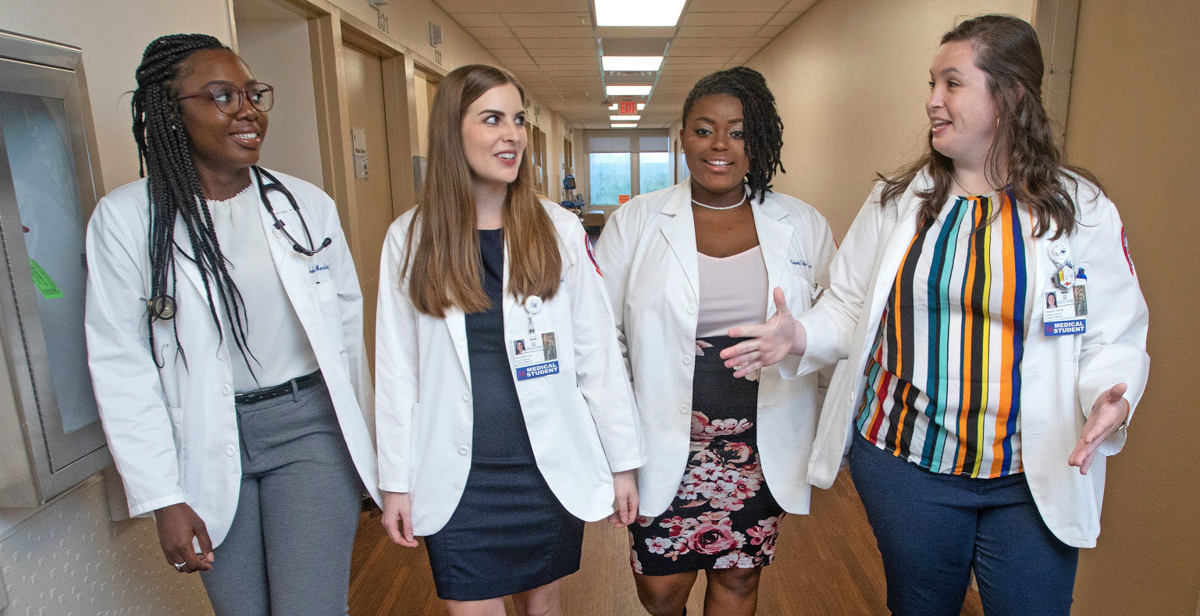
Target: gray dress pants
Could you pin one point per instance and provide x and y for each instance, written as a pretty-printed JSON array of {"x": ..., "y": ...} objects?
[{"x": 288, "y": 550}]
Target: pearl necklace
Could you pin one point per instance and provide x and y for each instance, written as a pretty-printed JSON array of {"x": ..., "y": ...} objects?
[{"x": 719, "y": 209}]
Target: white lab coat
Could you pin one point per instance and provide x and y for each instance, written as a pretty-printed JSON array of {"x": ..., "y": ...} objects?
[
  {"x": 581, "y": 421},
  {"x": 1062, "y": 376},
  {"x": 648, "y": 254},
  {"x": 173, "y": 429}
]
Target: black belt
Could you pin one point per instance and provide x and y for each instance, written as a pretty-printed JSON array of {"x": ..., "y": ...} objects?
[{"x": 295, "y": 385}]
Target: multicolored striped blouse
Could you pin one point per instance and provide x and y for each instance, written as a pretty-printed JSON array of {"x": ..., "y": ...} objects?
[{"x": 944, "y": 377}]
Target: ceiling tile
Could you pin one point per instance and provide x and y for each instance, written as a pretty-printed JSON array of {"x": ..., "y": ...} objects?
[
  {"x": 574, "y": 43},
  {"x": 548, "y": 20},
  {"x": 634, "y": 32},
  {"x": 507, "y": 54},
  {"x": 542, "y": 6},
  {"x": 464, "y": 6},
  {"x": 718, "y": 31},
  {"x": 500, "y": 43},
  {"x": 693, "y": 52},
  {"x": 481, "y": 20},
  {"x": 725, "y": 18},
  {"x": 722, "y": 6},
  {"x": 783, "y": 19},
  {"x": 567, "y": 52},
  {"x": 483, "y": 32},
  {"x": 798, "y": 6},
  {"x": 702, "y": 41},
  {"x": 560, "y": 32}
]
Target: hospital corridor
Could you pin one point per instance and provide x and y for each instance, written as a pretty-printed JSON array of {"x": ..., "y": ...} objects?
[{"x": 599, "y": 307}]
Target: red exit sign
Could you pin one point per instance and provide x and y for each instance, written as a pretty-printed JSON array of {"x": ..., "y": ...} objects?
[{"x": 627, "y": 107}]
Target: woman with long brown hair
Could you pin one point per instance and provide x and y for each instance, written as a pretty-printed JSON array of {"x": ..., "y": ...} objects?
[
  {"x": 979, "y": 416},
  {"x": 505, "y": 419}
]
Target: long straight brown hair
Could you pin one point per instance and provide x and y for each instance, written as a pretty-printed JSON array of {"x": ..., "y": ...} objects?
[
  {"x": 1007, "y": 50},
  {"x": 443, "y": 257}
]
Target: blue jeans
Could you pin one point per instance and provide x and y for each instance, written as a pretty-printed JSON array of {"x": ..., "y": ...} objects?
[{"x": 932, "y": 529}]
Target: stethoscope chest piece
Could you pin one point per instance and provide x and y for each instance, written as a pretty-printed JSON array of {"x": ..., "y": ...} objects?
[{"x": 161, "y": 307}]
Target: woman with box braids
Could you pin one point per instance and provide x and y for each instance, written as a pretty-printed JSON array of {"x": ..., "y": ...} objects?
[
  {"x": 174, "y": 189},
  {"x": 762, "y": 133},
  {"x": 253, "y": 464}
]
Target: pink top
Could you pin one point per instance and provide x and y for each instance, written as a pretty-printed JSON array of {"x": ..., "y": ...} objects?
[{"x": 732, "y": 292}]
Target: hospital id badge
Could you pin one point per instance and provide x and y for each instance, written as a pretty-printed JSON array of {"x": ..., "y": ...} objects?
[
  {"x": 1066, "y": 311},
  {"x": 535, "y": 356}
]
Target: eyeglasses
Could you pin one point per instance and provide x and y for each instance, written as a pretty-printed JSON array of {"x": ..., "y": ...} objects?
[{"x": 228, "y": 97}]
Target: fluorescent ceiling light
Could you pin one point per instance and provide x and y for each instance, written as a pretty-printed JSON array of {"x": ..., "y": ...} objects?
[
  {"x": 621, "y": 125},
  {"x": 627, "y": 90},
  {"x": 631, "y": 63},
  {"x": 615, "y": 106},
  {"x": 641, "y": 106},
  {"x": 624, "y": 118},
  {"x": 638, "y": 12}
]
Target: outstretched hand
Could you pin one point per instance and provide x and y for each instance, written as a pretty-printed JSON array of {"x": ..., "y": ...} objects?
[
  {"x": 768, "y": 343},
  {"x": 1108, "y": 414}
]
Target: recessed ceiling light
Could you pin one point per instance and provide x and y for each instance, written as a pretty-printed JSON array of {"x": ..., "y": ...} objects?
[
  {"x": 641, "y": 106},
  {"x": 627, "y": 90},
  {"x": 638, "y": 12},
  {"x": 613, "y": 107},
  {"x": 631, "y": 63},
  {"x": 624, "y": 118},
  {"x": 624, "y": 125}
]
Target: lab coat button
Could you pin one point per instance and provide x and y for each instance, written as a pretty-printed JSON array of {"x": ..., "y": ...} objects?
[
  {"x": 225, "y": 390},
  {"x": 276, "y": 232},
  {"x": 683, "y": 409},
  {"x": 230, "y": 451},
  {"x": 463, "y": 450},
  {"x": 687, "y": 361},
  {"x": 691, "y": 310},
  {"x": 466, "y": 397}
]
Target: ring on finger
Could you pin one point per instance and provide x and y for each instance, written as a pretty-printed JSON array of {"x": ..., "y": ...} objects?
[{"x": 179, "y": 566}]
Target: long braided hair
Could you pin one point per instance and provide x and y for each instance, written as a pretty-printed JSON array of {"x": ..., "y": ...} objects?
[
  {"x": 763, "y": 127},
  {"x": 174, "y": 191}
]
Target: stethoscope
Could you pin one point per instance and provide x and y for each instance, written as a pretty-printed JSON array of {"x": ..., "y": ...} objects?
[
  {"x": 163, "y": 306},
  {"x": 275, "y": 184}
]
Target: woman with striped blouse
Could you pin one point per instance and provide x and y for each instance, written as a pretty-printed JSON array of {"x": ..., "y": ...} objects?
[{"x": 979, "y": 412}]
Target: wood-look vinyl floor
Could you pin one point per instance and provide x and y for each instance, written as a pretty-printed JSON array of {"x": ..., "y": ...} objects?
[{"x": 826, "y": 564}]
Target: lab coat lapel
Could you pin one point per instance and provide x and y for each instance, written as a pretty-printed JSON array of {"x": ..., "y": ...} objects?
[
  {"x": 774, "y": 239},
  {"x": 680, "y": 233},
  {"x": 456, "y": 322}
]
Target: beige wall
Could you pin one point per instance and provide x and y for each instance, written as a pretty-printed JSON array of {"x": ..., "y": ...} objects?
[
  {"x": 1135, "y": 122},
  {"x": 850, "y": 78},
  {"x": 278, "y": 53}
]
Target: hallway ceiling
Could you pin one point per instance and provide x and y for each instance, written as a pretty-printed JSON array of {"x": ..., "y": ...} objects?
[{"x": 554, "y": 48}]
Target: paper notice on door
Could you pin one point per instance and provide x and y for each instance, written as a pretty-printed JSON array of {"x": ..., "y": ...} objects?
[{"x": 358, "y": 141}]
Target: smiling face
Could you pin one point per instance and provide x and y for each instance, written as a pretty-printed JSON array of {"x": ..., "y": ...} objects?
[
  {"x": 493, "y": 135},
  {"x": 713, "y": 145},
  {"x": 220, "y": 143},
  {"x": 962, "y": 113}
]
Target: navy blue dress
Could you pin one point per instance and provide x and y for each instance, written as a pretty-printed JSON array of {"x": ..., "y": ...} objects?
[{"x": 509, "y": 533}]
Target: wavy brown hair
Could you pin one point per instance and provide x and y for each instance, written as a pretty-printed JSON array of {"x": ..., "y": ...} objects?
[
  {"x": 443, "y": 258},
  {"x": 1023, "y": 156}
]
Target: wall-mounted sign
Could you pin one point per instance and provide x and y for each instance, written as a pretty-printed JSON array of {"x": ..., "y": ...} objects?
[{"x": 358, "y": 142}]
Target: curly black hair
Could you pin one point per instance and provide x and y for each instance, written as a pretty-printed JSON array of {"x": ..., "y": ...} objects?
[
  {"x": 763, "y": 127},
  {"x": 174, "y": 188}
]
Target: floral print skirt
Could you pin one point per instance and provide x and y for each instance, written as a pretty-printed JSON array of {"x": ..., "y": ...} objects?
[{"x": 723, "y": 515}]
